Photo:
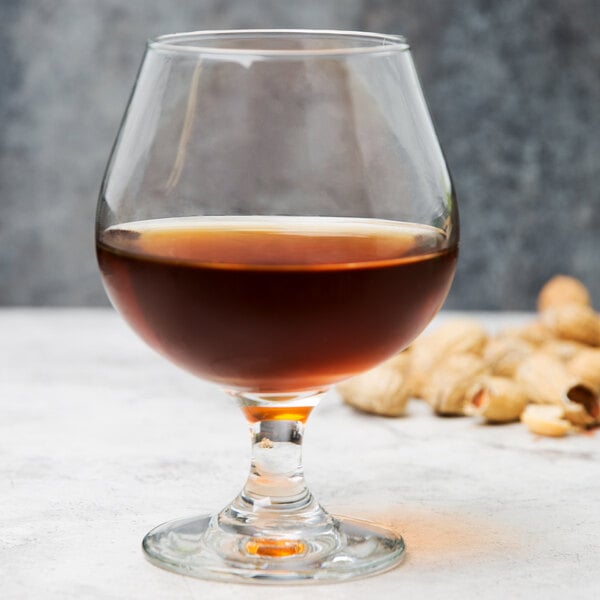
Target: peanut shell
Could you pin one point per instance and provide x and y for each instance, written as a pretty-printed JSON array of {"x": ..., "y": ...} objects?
[{"x": 545, "y": 420}]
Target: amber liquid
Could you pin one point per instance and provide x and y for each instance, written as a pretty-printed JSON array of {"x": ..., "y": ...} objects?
[{"x": 277, "y": 304}]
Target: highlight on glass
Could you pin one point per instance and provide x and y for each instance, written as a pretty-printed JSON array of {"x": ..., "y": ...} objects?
[{"x": 276, "y": 216}]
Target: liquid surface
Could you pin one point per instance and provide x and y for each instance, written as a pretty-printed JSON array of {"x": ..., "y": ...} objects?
[{"x": 279, "y": 303}]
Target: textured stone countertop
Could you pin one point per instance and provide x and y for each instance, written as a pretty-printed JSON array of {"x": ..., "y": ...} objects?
[{"x": 100, "y": 440}]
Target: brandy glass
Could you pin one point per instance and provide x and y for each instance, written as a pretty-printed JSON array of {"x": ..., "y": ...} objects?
[{"x": 276, "y": 216}]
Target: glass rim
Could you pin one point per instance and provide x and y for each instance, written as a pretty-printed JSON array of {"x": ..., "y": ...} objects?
[{"x": 177, "y": 43}]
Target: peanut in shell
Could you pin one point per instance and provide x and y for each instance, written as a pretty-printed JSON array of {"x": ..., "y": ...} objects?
[
  {"x": 429, "y": 352},
  {"x": 496, "y": 399},
  {"x": 447, "y": 388},
  {"x": 564, "y": 350},
  {"x": 534, "y": 333},
  {"x": 504, "y": 354},
  {"x": 574, "y": 322},
  {"x": 585, "y": 366},
  {"x": 546, "y": 380},
  {"x": 562, "y": 290},
  {"x": 381, "y": 391}
]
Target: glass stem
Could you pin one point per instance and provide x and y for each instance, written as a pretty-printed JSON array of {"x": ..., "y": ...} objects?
[
  {"x": 275, "y": 496},
  {"x": 276, "y": 475}
]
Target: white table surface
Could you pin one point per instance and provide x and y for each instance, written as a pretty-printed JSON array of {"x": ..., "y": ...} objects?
[{"x": 100, "y": 440}]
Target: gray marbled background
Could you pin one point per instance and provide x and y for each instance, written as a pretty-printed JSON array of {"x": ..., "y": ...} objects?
[{"x": 513, "y": 87}]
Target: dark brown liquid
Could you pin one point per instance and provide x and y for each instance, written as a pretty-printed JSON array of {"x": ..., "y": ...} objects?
[{"x": 276, "y": 304}]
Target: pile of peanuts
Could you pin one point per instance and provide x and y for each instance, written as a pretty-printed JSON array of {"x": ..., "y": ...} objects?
[{"x": 545, "y": 374}]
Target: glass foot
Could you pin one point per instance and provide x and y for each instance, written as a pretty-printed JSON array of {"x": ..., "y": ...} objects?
[{"x": 204, "y": 547}]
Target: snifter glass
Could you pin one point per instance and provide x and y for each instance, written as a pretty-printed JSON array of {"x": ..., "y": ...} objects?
[{"x": 276, "y": 216}]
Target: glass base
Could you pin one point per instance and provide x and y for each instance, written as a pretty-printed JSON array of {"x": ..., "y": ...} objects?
[{"x": 205, "y": 547}]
